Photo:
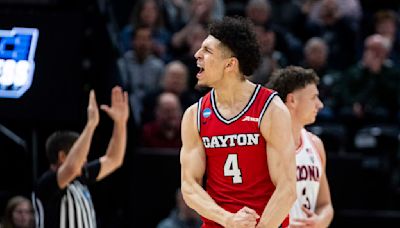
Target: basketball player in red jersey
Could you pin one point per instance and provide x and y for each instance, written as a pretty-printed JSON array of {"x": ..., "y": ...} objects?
[
  {"x": 298, "y": 89},
  {"x": 238, "y": 136}
]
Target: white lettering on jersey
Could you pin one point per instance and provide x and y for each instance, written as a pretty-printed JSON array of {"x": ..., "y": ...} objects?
[
  {"x": 249, "y": 118},
  {"x": 221, "y": 141}
]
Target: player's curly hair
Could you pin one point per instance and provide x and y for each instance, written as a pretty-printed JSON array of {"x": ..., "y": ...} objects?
[
  {"x": 291, "y": 78},
  {"x": 238, "y": 35}
]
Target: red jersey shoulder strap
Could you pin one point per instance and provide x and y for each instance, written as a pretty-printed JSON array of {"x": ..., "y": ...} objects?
[{"x": 268, "y": 95}]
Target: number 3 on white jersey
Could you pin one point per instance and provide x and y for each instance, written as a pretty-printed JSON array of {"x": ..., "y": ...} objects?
[{"x": 231, "y": 169}]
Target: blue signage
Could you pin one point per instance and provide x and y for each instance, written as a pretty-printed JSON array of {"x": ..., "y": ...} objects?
[{"x": 17, "y": 52}]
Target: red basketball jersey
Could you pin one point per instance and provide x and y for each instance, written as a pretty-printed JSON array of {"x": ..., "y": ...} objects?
[{"x": 237, "y": 170}]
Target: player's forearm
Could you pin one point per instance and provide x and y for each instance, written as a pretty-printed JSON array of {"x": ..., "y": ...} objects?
[
  {"x": 117, "y": 145},
  {"x": 79, "y": 151},
  {"x": 325, "y": 214},
  {"x": 199, "y": 200},
  {"x": 278, "y": 206}
]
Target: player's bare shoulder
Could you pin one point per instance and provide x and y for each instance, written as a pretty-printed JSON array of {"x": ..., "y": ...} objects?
[
  {"x": 190, "y": 115},
  {"x": 278, "y": 105},
  {"x": 189, "y": 126},
  {"x": 317, "y": 142},
  {"x": 276, "y": 111},
  {"x": 191, "y": 111},
  {"x": 315, "y": 139}
]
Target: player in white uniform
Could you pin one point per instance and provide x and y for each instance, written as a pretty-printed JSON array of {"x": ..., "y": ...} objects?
[{"x": 298, "y": 89}]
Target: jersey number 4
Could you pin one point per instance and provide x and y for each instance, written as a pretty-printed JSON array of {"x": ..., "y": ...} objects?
[{"x": 231, "y": 169}]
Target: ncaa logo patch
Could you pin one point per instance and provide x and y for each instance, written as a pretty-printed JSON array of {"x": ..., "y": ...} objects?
[{"x": 207, "y": 113}]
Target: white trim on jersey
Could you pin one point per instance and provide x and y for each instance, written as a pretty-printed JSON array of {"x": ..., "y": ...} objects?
[
  {"x": 38, "y": 208},
  {"x": 62, "y": 213},
  {"x": 265, "y": 107},
  {"x": 70, "y": 205},
  {"x": 198, "y": 113},
  {"x": 79, "y": 211},
  {"x": 221, "y": 118},
  {"x": 83, "y": 208},
  {"x": 76, "y": 209},
  {"x": 87, "y": 206}
]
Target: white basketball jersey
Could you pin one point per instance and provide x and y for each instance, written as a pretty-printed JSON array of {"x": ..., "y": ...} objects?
[{"x": 308, "y": 174}]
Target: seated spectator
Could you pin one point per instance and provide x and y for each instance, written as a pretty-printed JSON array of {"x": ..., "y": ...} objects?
[
  {"x": 369, "y": 90},
  {"x": 175, "y": 80},
  {"x": 350, "y": 9},
  {"x": 386, "y": 25},
  {"x": 338, "y": 33},
  {"x": 271, "y": 59},
  {"x": 316, "y": 57},
  {"x": 165, "y": 130},
  {"x": 175, "y": 14},
  {"x": 148, "y": 13},
  {"x": 198, "y": 33},
  {"x": 181, "y": 216},
  {"x": 18, "y": 213},
  {"x": 200, "y": 12},
  {"x": 259, "y": 12},
  {"x": 141, "y": 71}
]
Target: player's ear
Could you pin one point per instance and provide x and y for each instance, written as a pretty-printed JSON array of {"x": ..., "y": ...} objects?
[
  {"x": 290, "y": 100},
  {"x": 61, "y": 156},
  {"x": 232, "y": 62}
]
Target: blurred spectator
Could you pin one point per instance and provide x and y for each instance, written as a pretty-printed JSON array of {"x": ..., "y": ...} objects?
[
  {"x": 148, "y": 13},
  {"x": 271, "y": 59},
  {"x": 175, "y": 80},
  {"x": 316, "y": 58},
  {"x": 286, "y": 13},
  {"x": 181, "y": 216},
  {"x": 386, "y": 25},
  {"x": 369, "y": 90},
  {"x": 140, "y": 70},
  {"x": 175, "y": 14},
  {"x": 205, "y": 10},
  {"x": 200, "y": 12},
  {"x": 18, "y": 213},
  {"x": 259, "y": 12},
  {"x": 338, "y": 33},
  {"x": 316, "y": 55},
  {"x": 165, "y": 130},
  {"x": 198, "y": 33},
  {"x": 350, "y": 9}
]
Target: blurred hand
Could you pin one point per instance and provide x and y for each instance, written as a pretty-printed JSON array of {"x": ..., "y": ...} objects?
[
  {"x": 119, "y": 110},
  {"x": 310, "y": 222},
  {"x": 245, "y": 217},
  {"x": 358, "y": 110},
  {"x": 92, "y": 110},
  {"x": 179, "y": 3}
]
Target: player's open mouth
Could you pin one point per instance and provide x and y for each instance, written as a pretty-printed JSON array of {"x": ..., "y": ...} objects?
[{"x": 201, "y": 70}]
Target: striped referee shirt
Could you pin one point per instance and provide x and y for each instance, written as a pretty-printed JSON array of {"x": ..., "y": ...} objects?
[{"x": 71, "y": 207}]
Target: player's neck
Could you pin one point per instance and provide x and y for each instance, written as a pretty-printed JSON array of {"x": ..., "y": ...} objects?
[
  {"x": 232, "y": 91},
  {"x": 296, "y": 131}
]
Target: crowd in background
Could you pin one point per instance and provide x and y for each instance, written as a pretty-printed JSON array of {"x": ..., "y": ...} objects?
[{"x": 354, "y": 51}]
